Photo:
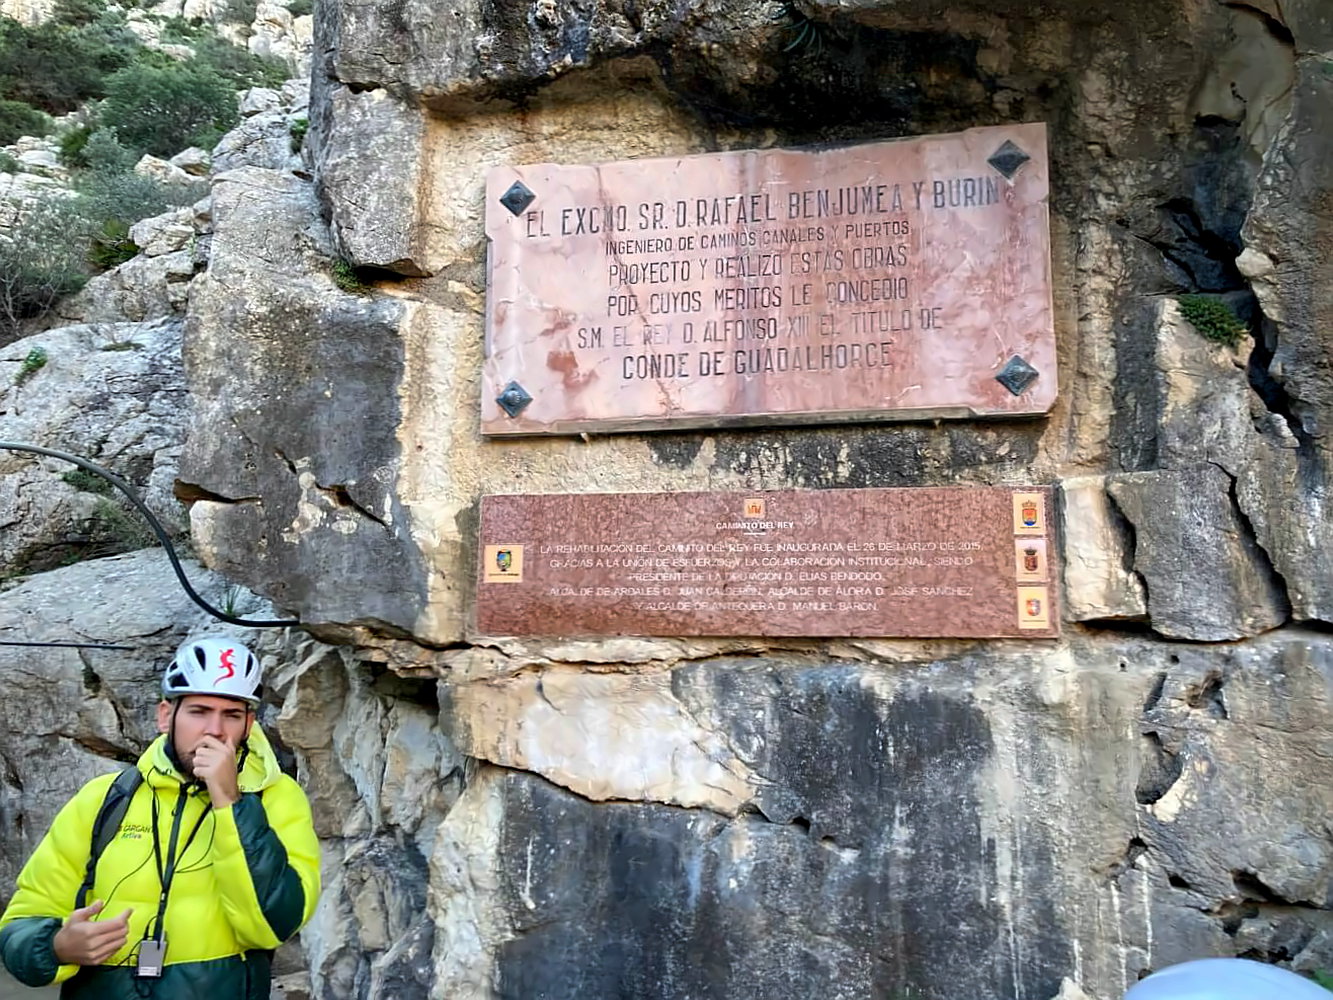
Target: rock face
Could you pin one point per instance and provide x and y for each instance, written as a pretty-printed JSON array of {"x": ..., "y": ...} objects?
[
  {"x": 717, "y": 818},
  {"x": 113, "y": 393},
  {"x": 337, "y": 466},
  {"x": 929, "y": 817},
  {"x": 657, "y": 818}
]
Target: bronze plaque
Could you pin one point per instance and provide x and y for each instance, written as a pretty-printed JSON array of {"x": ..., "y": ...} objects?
[
  {"x": 953, "y": 561},
  {"x": 904, "y": 279}
]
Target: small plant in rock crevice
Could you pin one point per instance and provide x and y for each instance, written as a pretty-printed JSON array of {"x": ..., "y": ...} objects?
[
  {"x": 112, "y": 526},
  {"x": 297, "y": 129},
  {"x": 346, "y": 278},
  {"x": 1213, "y": 318},
  {"x": 232, "y": 599},
  {"x": 87, "y": 482},
  {"x": 111, "y": 245},
  {"x": 32, "y": 364}
]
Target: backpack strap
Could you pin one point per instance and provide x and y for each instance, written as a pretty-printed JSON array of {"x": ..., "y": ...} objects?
[{"x": 109, "y": 817}]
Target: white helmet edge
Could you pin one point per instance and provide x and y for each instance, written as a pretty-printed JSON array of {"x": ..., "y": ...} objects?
[{"x": 220, "y": 666}]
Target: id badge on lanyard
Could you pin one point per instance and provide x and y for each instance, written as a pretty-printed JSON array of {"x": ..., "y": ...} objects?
[
  {"x": 152, "y": 957},
  {"x": 153, "y": 948}
]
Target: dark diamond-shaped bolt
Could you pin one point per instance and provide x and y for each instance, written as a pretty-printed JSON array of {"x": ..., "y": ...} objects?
[
  {"x": 1007, "y": 159},
  {"x": 1017, "y": 375},
  {"x": 517, "y": 198},
  {"x": 513, "y": 399}
]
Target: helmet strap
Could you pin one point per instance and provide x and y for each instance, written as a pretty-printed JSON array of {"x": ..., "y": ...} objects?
[
  {"x": 170, "y": 746},
  {"x": 171, "y": 740},
  {"x": 242, "y": 755}
]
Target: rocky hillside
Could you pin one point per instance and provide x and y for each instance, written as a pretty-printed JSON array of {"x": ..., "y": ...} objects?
[{"x": 669, "y": 817}]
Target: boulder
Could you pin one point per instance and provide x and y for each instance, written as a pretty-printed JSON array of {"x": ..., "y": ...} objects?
[
  {"x": 193, "y": 161},
  {"x": 144, "y": 288},
  {"x": 19, "y": 191},
  {"x": 1099, "y": 581},
  {"x": 339, "y": 509},
  {"x": 29, "y": 12},
  {"x": 262, "y": 140},
  {"x": 113, "y": 393},
  {"x": 43, "y": 163},
  {"x": 258, "y": 100},
  {"x": 166, "y": 233},
  {"x": 162, "y": 171},
  {"x": 1205, "y": 576}
]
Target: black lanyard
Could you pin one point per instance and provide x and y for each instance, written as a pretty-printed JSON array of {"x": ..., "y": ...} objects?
[{"x": 166, "y": 874}]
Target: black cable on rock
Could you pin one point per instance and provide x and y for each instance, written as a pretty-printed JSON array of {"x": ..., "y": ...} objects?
[
  {"x": 158, "y": 530},
  {"x": 68, "y": 645}
]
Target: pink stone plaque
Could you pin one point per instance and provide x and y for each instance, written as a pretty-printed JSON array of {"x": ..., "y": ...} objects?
[
  {"x": 951, "y": 561},
  {"x": 908, "y": 279}
]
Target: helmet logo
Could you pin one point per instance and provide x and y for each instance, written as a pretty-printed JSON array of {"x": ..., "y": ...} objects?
[{"x": 227, "y": 665}]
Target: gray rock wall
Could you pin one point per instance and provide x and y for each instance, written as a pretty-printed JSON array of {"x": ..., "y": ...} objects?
[{"x": 694, "y": 818}]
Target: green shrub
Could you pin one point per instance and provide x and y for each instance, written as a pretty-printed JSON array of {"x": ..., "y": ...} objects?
[
  {"x": 56, "y": 246},
  {"x": 87, "y": 482},
  {"x": 109, "y": 203},
  {"x": 113, "y": 528},
  {"x": 298, "y": 129},
  {"x": 32, "y": 364},
  {"x": 346, "y": 278},
  {"x": 105, "y": 154},
  {"x": 240, "y": 66},
  {"x": 17, "y": 118},
  {"x": 178, "y": 29},
  {"x": 120, "y": 196},
  {"x": 70, "y": 145},
  {"x": 299, "y": 8},
  {"x": 55, "y": 67},
  {"x": 1213, "y": 318},
  {"x": 162, "y": 110},
  {"x": 240, "y": 12},
  {"x": 77, "y": 13},
  {"x": 8, "y": 165},
  {"x": 111, "y": 245},
  {"x": 41, "y": 262}
]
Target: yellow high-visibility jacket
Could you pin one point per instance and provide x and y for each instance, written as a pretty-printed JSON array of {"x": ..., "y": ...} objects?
[{"x": 247, "y": 882}]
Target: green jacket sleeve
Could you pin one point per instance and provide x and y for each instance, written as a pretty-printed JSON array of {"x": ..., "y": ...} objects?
[
  {"x": 44, "y": 896},
  {"x": 266, "y": 863}
]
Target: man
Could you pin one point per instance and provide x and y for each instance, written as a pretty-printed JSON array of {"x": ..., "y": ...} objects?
[{"x": 214, "y": 864}]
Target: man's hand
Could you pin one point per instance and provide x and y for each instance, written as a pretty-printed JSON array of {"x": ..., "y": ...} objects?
[
  {"x": 85, "y": 941},
  {"x": 215, "y": 766}
]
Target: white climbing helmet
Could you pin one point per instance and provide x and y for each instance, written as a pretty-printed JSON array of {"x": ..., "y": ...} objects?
[
  {"x": 1225, "y": 979},
  {"x": 218, "y": 666}
]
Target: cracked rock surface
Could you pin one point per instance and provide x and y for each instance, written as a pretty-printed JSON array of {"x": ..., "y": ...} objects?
[
  {"x": 113, "y": 393},
  {"x": 698, "y": 818}
]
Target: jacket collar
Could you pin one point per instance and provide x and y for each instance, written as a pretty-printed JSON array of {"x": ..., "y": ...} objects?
[{"x": 259, "y": 772}]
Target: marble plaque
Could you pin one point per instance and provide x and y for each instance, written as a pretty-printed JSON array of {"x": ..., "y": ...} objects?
[
  {"x": 952, "y": 561},
  {"x": 908, "y": 279}
]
